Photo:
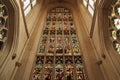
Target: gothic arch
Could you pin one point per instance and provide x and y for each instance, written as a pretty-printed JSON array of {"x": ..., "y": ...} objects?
[
  {"x": 108, "y": 54},
  {"x": 10, "y": 46}
]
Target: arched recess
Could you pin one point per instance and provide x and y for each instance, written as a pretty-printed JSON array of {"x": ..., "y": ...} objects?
[
  {"x": 110, "y": 59},
  {"x": 10, "y": 46}
]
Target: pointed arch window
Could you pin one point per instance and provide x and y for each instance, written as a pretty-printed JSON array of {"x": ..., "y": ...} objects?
[
  {"x": 59, "y": 48},
  {"x": 3, "y": 25},
  {"x": 115, "y": 25}
]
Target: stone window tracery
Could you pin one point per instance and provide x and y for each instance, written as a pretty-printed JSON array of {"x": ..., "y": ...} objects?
[
  {"x": 115, "y": 25},
  {"x": 59, "y": 56},
  {"x": 3, "y": 25}
]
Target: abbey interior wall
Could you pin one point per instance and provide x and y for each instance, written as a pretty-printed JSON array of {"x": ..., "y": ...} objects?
[
  {"x": 87, "y": 49},
  {"x": 90, "y": 48},
  {"x": 103, "y": 46},
  {"x": 9, "y": 65}
]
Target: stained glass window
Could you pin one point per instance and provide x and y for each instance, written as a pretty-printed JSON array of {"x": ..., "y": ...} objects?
[
  {"x": 114, "y": 34},
  {"x": 3, "y": 24},
  {"x": 116, "y": 46},
  {"x": 59, "y": 55},
  {"x": 115, "y": 25}
]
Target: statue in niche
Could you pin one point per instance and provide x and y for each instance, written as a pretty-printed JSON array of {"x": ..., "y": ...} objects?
[
  {"x": 74, "y": 40},
  {"x": 67, "y": 40},
  {"x": 66, "y": 26},
  {"x": 59, "y": 40},
  {"x": 42, "y": 49},
  {"x": 75, "y": 49},
  {"x": 53, "y": 26},
  {"x": 65, "y": 17},
  {"x": 59, "y": 74},
  {"x": 67, "y": 49},
  {"x": 59, "y": 16},
  {"x": 59, "y": 48},
  {"x": 51, "y": 49},
  {"x": 60, "y": 26}
]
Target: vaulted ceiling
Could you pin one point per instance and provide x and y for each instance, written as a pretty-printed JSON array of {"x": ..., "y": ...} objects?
[
  {"x": 60, "y": 1},
  {"x": 72, "y": 1}
]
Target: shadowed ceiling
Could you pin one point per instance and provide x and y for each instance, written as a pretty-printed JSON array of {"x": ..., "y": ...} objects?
[{"x": 59, "y": 1}]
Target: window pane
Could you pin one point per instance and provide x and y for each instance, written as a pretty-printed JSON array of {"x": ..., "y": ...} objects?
[
  {"x": 91, "y": 2},
  {"x": 27, "y": 10},
  {"x": 91, "y": 10},
  {"x": 34, "y": 2},
  {"x": 85, "y": 3},
  {"x": 26, "y": 3}
]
